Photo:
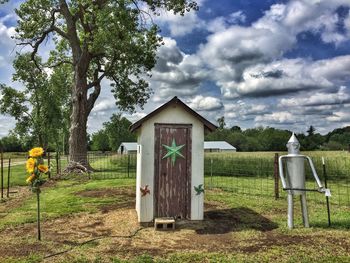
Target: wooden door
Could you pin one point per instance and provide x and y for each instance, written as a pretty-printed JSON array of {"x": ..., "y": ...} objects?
[{"x": 172, "y": 179}]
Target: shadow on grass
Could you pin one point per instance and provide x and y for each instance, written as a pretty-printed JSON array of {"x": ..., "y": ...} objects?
[{"x": 221, "y": 221}]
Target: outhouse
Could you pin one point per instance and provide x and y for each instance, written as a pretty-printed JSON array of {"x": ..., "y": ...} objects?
[{"x": 170, "y": 162}]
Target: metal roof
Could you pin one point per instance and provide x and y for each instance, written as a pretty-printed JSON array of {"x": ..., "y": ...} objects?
[
  {"x": 218, "y": 145},
  {"x": 129, "y": 146}
]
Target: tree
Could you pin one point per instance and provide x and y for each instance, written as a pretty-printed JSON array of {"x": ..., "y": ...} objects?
[
  {"x": 236, "y": 129},
  {"x": 311, "y": 131},
  {"x": 113, "y": 39},
  {"x": 11, "y": 143},
  {"x": 114, "y": 132},
  {"x": 117, "y": 130},
  {"x": 221, "y": 122},
  {"x": 39, "y": 107},
  {"x": 100, "y": 141}
]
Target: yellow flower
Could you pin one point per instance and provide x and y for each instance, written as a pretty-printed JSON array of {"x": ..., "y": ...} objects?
[
  {"x": 30, "y": 178},
  {"x": 30, "y": 165},
  {"x": 43, "y": 168},
  {"x": 36, "y": 152}
]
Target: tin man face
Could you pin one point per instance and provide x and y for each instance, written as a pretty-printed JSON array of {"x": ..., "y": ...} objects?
[{"x": 293, "y": 145}]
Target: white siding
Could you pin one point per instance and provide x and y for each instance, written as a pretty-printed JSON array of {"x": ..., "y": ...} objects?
[{"x": 171, "y": 114}]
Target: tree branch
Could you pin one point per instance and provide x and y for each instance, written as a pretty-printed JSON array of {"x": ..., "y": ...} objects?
[
  {"x": 71, "y": 30},
  {"x": 96, "y": 81},
  {"x": 37, "y": 41},
  {"x": 97, "y": 84},
  {"x": 60, "y": 32},
  {"x": 59, "y": 63}
]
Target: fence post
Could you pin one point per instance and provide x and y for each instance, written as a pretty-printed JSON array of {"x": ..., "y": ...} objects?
[
  {"x": 128, "y": 165},
  {"x": 59, "y": 160},
  {"x": 8, "y": 179},
  {"x": 48, "y": 164},
  {"x": 57, "y": 168},
  {"x": 276, "y": 177},
  {"x": 325, "y": 185},
  {"x": 211, "y": 173},
  {"x": 2, "y": 174}
]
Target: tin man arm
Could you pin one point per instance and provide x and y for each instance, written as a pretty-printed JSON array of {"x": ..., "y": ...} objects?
[
  {"x": 314, "y": 173},
  {"x": 280, "y": 166}
]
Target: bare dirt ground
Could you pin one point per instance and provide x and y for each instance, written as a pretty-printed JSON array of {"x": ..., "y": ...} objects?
[{"x": 114, "y": 231}]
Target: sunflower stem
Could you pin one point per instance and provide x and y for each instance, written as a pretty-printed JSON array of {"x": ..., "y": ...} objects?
[{"x": 38, "y": 212}]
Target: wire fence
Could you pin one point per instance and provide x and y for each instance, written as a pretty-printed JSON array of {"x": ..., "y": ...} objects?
[
  {"x": 250, "y": 175},
  {"x": 103, "y": 165},
  {"x": 258, "y": 176}
]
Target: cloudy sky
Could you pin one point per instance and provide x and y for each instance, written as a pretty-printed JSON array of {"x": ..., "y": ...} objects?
[{"x": 283, "y": 64}]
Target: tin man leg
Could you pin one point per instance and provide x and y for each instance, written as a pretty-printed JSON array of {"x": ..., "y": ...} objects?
[
  {"x": 290, "y": 211},
  {"x": 304, "y": 210}
]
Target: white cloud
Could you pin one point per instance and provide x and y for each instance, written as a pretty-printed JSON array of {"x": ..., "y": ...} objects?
[
  {"x": 335, "y": 69},
  {"x": 180, "y": 25},
  {"x": 339, "y": 116},
  {"x": 176, "y": 73},
  {"x": 104, "y": 105},
  {"x": 233, "y": 52},
  {"x": 318, "y": 99},
  {"x": 135, "y": 116},
  {"x": 221, "y": 23},
  {"x": 347, "y": 24},
  {"x": 304, "y": 15},
  {"x": 282, "y": 117},
  {"x": 201, "y": 103}
]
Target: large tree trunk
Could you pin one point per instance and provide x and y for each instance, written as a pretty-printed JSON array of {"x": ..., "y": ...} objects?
[{"x": 77, "y": 132}]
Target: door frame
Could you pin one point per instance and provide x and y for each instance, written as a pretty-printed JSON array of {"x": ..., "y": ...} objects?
[{"x": 157, "y": 160}]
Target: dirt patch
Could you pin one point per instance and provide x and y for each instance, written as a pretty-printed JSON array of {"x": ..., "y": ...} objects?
[
  {"x": 224, "y": 229},
  {"x": 22, "y": 249},
  {"x": 221, "y": 221},
  {"x": 108, "y": 192},
  {"x": 274, "y": 239},
  {"x": 17, "y": 195},
  {"x": 125, "y": 197}
]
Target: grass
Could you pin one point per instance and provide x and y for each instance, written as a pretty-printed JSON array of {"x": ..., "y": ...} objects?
[
  {"x": 262, "y": 163},
  {"x": 254, "y": 164},
  {"x": 254, "y": 213},
  {"x": 264, "y": 186},
  {"x": 62, "y": 200}
]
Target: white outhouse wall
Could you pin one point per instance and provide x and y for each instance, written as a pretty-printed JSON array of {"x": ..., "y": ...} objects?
[{"x": 145, "y": 161}]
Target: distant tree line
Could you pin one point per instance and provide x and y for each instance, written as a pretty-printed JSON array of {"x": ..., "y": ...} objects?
[
  {"x": 272, "y": 139},
  {"x": 116, "y": 131}
]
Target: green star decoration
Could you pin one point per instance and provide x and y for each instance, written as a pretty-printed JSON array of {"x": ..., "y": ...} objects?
[{"x": 173, "y": 151}]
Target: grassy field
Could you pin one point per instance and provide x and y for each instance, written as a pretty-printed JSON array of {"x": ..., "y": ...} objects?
[
  {"x": 262, "y": 163},
  {"x": 95, "y": 221},
  {"x": 244, "y": 173},
  {"x": 254, "y": 164}
]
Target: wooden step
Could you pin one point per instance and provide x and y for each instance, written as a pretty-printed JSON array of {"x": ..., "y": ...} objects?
[{"x": 164, "y": 223}]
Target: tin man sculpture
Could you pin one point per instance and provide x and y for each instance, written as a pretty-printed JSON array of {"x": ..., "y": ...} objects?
[{"x": 294, "y": 181}]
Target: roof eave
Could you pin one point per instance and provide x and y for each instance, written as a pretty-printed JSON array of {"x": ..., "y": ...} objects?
[{"x": 207, "y": 124}]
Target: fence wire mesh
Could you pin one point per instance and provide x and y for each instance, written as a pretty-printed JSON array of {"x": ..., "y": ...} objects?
[
  {"x": 255, "y": 176},
  {"x": 247, "y": 175}
]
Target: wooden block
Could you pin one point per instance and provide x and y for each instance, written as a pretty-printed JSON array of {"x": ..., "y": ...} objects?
[{"x": 164, "y": 223}]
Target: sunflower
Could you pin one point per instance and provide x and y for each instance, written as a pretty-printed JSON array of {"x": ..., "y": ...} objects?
[
  {"x": 30, "y": 165},
  {"x": 30, "y": 178},
  {"x": 43, "y": 168},
  {"x": 36, "y": 152}
]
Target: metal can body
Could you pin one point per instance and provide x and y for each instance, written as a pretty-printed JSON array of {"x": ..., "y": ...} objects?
[{"x": 295, "y": 174}]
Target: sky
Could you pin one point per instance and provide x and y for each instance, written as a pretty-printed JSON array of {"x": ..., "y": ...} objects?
[{"x": 282, "y": 64}]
